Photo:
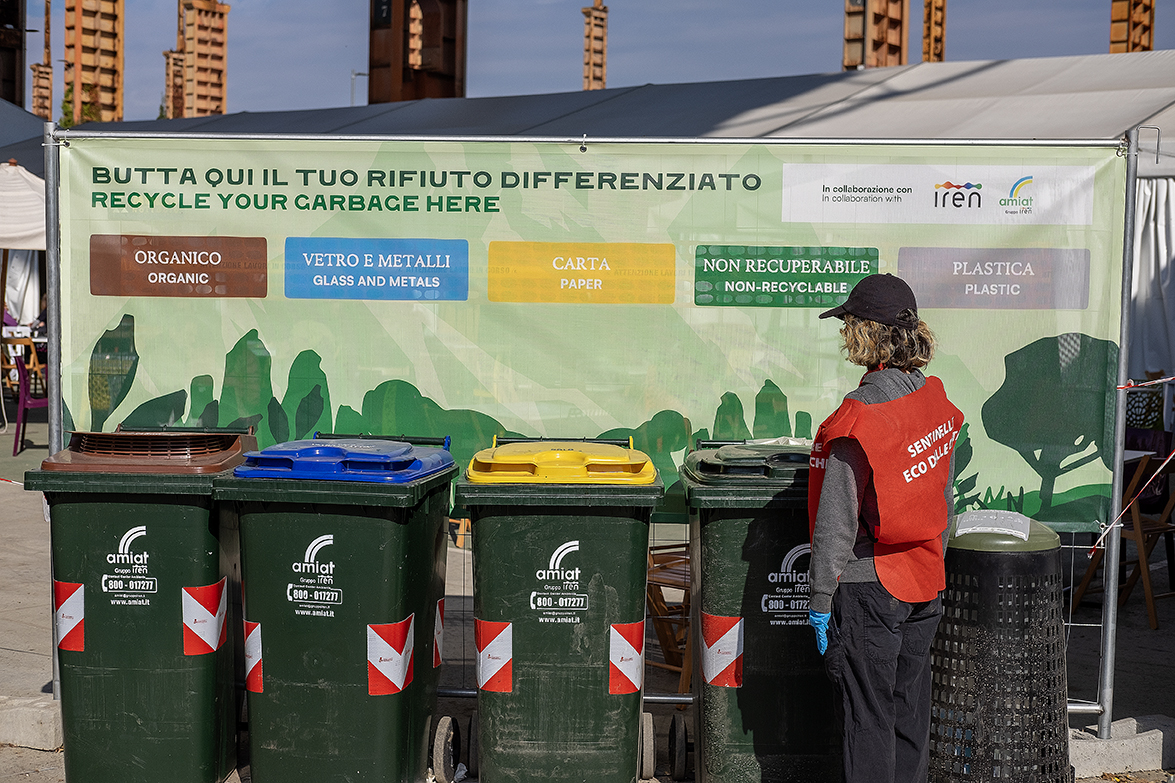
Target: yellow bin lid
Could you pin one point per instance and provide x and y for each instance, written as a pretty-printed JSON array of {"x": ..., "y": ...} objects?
[{"x": 560, "y": 462}]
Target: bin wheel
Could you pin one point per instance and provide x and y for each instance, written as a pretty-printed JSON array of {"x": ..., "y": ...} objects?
[
  {"x": 678, "y": 747},
  {"x": 470, "y": 746},
  {"x": 444, "y": 743},
  {"x": 648, "y": 767}
]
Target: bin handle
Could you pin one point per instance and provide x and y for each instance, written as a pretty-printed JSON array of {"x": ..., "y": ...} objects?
[
  {"x": 504, "y": 440},
  {"x": 413, "y": 440}
]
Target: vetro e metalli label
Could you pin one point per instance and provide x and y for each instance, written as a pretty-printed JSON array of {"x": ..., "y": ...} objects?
[
  {"x": 557, "y": 599},
  {"x": 313, "y": 594},
  {"x": 130, "y": 584},
  {"x": 785, "y": 600}
]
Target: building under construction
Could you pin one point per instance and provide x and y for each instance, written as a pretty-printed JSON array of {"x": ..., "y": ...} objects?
[
  {"x": 195, "y": 71},
  {"x": 12, "y": 51},
  {"x": 416, "y": 50},
  {"x": 93, "y": 61}
]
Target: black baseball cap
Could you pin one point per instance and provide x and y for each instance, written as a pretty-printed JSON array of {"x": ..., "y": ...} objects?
[{"x": 881, "y": 298}]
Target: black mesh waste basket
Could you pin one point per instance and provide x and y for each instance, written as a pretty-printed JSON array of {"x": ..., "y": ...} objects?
[{"x": 999, "y": 697}]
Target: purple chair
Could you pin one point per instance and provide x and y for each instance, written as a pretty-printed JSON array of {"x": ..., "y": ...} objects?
[{"x": 26, "y": 402}]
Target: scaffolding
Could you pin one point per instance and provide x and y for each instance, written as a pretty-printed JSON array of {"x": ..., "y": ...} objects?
[
  {"x": 94, "y": 59},
  {"x": 595, "y": 46},
  {"x": 195, "y": 72},
  {"x": 876, "y": 32},
  {"x": 1132, "y": 26}
]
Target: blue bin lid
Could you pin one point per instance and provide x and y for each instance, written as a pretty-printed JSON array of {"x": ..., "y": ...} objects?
[{"x": 371, "y": 461}]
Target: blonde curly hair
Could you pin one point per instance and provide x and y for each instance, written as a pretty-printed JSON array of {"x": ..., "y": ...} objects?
[{"x": 872, "y": 345}]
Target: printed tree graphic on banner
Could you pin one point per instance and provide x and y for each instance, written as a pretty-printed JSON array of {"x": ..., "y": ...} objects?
[
  {"x": 1056, "y": 406},
  {"x": 113, "y": 364}
]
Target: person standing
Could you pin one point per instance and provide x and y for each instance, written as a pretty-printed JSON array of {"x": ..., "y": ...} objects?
[{"x": 880, "y": 500}]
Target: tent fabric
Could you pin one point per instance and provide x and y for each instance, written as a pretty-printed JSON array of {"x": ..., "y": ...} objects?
[
  {"x": 22, "y": 295},
  {"x": 16, "y": 124},
  {"x": 1152, "y": 326},
  {"x": 22, "y": 209}
]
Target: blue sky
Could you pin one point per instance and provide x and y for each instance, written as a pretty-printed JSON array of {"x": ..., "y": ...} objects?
[{"x": 299, "y": 54}]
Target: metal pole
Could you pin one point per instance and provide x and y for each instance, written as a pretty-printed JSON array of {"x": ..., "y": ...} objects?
[
  {"x": 1114, "y": 540},
  {"x": 53, "y": 322}
]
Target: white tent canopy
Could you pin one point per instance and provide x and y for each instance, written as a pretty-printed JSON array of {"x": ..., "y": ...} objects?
[{"x": 22, "y": 233}]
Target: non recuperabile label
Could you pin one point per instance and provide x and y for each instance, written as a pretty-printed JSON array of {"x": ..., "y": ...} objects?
[{"x": 742, "y": 276}]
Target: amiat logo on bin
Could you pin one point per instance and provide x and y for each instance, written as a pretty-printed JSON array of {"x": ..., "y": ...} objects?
[
  {"x": 310, "y": 564},
  {"x": 124, "y": 555},
  {"x": 555, "y": 570}
]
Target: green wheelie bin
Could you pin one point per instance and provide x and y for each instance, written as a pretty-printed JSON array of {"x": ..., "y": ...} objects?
[
  {"x": 560, "y": 541},
  {"x": 145, "y": 569},
  {"x": 763, "y": 708},
  {"x": 343, "y": 558}
]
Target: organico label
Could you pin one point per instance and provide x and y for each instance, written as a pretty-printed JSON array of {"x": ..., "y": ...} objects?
[
  {"x": 390, "y": 269},
  {"x": 314, "y": 593},
  {"x": 785, "y": 598},
  {"x": 740, "y": 276},
  {"x": 130, "y": 583},
  {"x": 190, "y": 267},
  {"x": 558, "y": 600}
]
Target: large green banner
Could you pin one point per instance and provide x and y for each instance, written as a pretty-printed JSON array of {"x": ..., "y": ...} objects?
[{"x": 667, "y": 291}]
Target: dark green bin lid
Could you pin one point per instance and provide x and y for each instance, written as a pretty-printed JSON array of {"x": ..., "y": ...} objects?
[
  {"x": 746, "y": 475},
  {"x": 1000, "y": 531}
]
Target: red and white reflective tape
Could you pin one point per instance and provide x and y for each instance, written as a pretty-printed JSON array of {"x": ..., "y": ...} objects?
[
  {"x": 438, "y": 633},
  {"x": 204, "y": 610},
  {"x": 69, "y": 612},
  {"x": 253, "y": 680},
  {"x": 722, "y": 650},
  {"x": 389, "y": 656},
  {"x": 626, "y": 657},
  {"x": 495, "y": 655}
]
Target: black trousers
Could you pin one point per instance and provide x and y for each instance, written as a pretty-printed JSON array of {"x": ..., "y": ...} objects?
[{"x": 879, "y": 657}]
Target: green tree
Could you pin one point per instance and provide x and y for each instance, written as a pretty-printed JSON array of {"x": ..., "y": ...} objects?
[{"x": 1056, "y": 406}]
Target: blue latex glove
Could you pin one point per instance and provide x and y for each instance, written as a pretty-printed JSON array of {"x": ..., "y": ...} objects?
[{"x": 819, "y": 621}]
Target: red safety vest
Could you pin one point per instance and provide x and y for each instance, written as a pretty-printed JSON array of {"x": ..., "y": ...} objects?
[{"x": 908, "y": 442}]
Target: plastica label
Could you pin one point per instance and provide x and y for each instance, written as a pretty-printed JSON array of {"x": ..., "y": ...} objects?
[
  {"x": 557, "y": 597},
  {"x": 786, "y": 594},
  {"x": 127, "y": 580},
  {"x": 312, "y": 590}
]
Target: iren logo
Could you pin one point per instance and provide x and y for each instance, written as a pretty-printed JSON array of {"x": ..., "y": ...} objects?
[
  {"x": 958, "y": 199},
  {"x": 310, "y": 564},
  {"x": 555, "y": 570},
  {"x": 124, "y": 554},
  {"x": 786, "y": 569}
]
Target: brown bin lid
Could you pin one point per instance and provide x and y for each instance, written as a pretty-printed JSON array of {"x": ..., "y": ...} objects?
[{"x": 152, "y": 452}]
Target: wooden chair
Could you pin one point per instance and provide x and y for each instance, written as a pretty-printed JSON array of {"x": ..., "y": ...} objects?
[
  {"x": 1145, "y": 531},
  {"x": 14, "y": 349},
  {"x": 669, "y": 567}
]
